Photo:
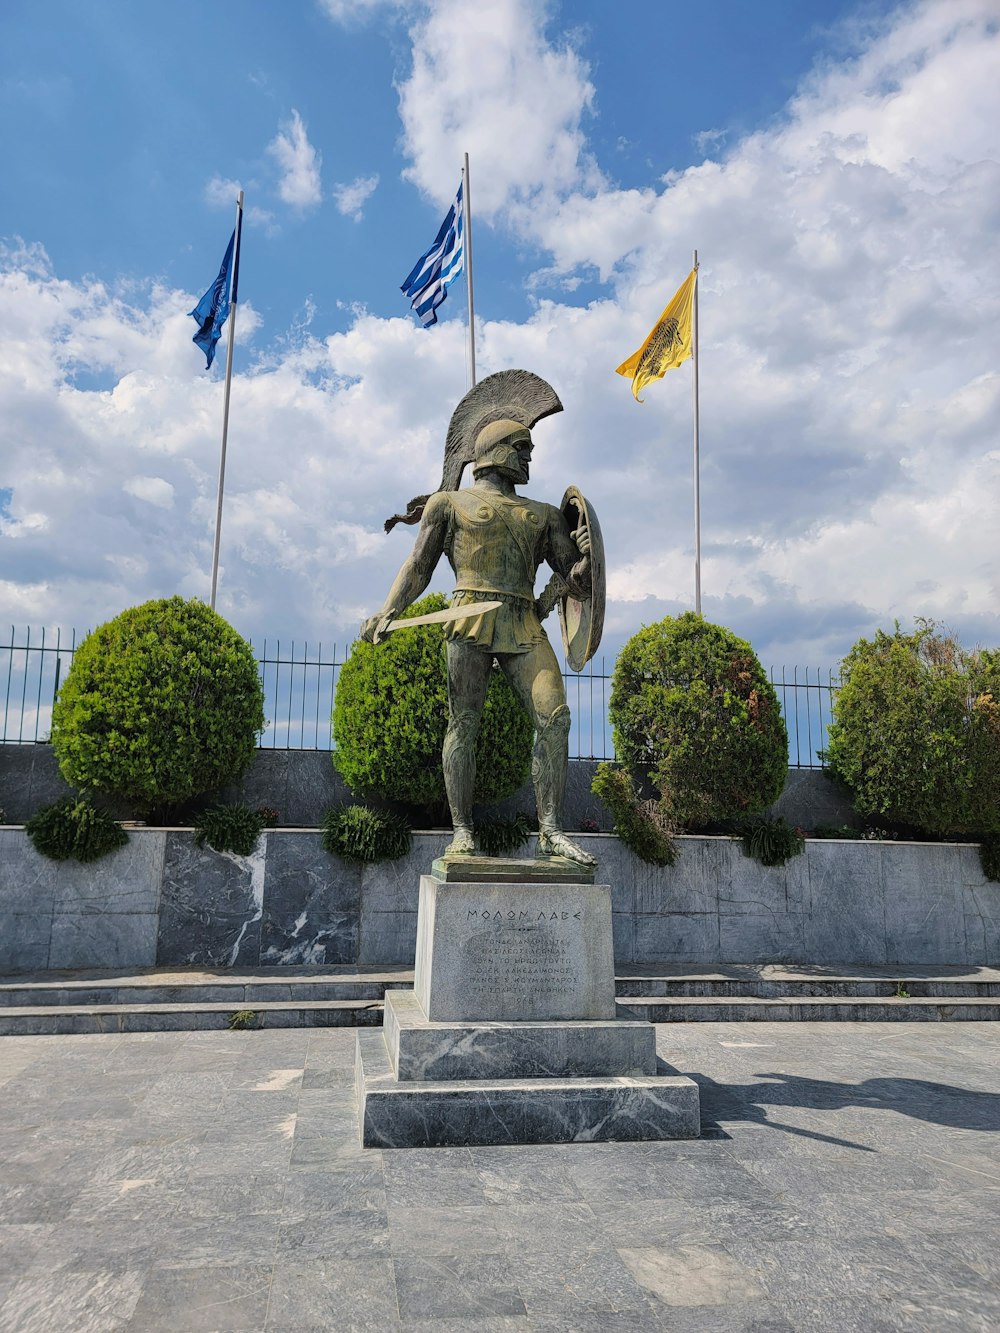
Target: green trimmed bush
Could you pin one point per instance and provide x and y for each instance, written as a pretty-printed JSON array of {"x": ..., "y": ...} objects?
[
  {"x": 357, "y": 833},
  {"x": 390, "y": 715},
  {"x": 161, "y": 704},
  {"x": 694, "y": 713},
  {"x": 229, "y": 828},
  {"x": 641, "y": 825},
  {"x": 915, "y": 735},
  {"x": 74, "y": 828}
]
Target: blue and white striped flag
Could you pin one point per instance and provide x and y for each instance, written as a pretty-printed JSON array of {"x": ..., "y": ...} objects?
[{"x": 435, "y": 271}]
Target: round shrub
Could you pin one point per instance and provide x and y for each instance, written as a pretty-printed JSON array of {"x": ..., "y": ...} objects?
[
  {"x": 916, "y": 732},
  {"x": 693, "y": 711},
  {"x": 161, "y": 704},
  {"x": 390, "y": 715}
]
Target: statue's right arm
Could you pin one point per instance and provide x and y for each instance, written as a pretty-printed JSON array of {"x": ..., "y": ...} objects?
[{"x": 417, "y": 570}]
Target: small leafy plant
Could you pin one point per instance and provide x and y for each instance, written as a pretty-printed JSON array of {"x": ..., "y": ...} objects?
[
  {"x": 835, "y": 831},
  {"x": 268, "y": 816},
  {"x": 771, "y": 840},
  {"x": 73, "y": 827},
  {"x": 229, "y": 828},
  {"x": 357, "y": 833},
  {"x": 641, "y": 825},
  {"x": 241, "y": 1019},
  {"x": 989, "y": 856},
  {"x": 500, "y": 837}
]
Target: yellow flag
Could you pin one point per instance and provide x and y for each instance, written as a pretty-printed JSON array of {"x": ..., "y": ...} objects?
[{"x": 668, "y": 344}]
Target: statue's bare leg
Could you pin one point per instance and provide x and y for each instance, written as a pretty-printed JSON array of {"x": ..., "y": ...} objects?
[
  {"x": 468, "y": 678},
  {"x": 537, "y": 681}
]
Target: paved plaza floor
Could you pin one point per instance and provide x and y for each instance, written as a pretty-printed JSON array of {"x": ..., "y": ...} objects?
[{"x": 848, "y": 1178}]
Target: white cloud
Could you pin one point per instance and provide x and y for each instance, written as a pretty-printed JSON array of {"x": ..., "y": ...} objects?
[
  {"x": 348, "y": 11},
  {"x": 299, "y": 163},
  {"x": 473, "y": 75},
  {"x": 221, "y": 192},
  {"x": 154, "y": 490},
  {"x": 850, "y": 397},
  {"x": 351, "y": 199}
]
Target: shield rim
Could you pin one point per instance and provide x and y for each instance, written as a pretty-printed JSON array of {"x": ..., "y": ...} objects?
[{"x": 595, "y": 623}]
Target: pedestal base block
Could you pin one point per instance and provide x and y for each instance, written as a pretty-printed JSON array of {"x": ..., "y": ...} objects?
[
  {"x": 514, "y": 952},
  {"x": 421, "y": 1050},
  {"x": 511, "y": 1033},
  {"x": 465, "y": 1113}
]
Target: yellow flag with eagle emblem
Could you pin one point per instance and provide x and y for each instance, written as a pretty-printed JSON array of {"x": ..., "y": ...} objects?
[{"x": 668, "y": 344}]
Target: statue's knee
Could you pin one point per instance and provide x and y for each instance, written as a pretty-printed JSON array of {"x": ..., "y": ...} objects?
[{"x": 463, "y": 725}]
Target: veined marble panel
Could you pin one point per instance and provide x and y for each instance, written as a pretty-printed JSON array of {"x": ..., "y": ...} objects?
[
  {"x": 111, "y": 939},
  {"x": 211, "y": 905},
  {"x": 846, "y": 921},
  {"x": 311, "y": 903},
  {"x": 762, "y": 910},
  {"x": 24, "y": 939},
  {"x": 125, "y": 881},
  {"x": 924, "y": 914},
  {"x": 27, "y": 879}
]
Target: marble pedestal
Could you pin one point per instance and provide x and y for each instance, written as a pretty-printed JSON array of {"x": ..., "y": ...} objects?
[{"x": 510, "y": 1034}]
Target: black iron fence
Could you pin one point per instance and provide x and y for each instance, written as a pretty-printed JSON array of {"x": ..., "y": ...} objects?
[{"x": 300, "y": 681}]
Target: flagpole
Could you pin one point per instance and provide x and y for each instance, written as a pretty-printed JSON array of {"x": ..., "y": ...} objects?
[
  {"x": 467, "y": 230},
  {"x": 697, "y": 452},
  {"x": 234, "y": 286}
]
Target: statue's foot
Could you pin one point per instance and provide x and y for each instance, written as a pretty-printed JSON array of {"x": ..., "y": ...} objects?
[
  {"x": 463, "y": 843},
  {"x": 555, "y": 843}
]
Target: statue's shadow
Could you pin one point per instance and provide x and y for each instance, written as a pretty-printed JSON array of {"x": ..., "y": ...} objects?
[{"x": 757, "y": 1103}]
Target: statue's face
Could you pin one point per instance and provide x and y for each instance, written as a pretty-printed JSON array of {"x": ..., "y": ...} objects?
[{"x": 524, "y": 449}]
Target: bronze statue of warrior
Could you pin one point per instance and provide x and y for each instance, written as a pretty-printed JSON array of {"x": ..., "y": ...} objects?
[{"x": 495, "y": 541}]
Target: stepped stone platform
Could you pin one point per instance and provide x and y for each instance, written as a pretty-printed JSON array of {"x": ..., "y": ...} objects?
[
  {"x": 195, "y": 999},
  {"x": 511, "y": 1033}
]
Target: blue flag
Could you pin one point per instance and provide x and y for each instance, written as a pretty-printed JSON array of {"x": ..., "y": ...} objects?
[
  {"x": 212, "y": 310},
  {"x": 437, "y": 269}
]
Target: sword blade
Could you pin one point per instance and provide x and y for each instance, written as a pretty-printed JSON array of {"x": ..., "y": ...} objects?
[{"x": 443, "y": 617}]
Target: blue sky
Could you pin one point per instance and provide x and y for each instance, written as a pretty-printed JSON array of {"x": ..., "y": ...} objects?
[
  {"x": 124, "y": 112},
  {"x": 835, "y": 164}
]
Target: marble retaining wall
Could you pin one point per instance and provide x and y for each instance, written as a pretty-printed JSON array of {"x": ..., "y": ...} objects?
[
  {"x": 302, "y": 784},
  {"x": 161, "y": 900}
]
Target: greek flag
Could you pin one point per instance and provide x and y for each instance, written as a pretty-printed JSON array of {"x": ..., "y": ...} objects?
[{"x": 435, "y": 271}]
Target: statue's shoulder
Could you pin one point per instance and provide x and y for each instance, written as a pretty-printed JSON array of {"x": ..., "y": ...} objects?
[
  {"x": 439, "y": 507},
  {"x": 549, "y": 514}
]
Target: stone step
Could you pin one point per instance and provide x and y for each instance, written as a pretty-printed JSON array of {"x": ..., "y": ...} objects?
[
  {"x": 144, "y": 1000},
  {"x": 239, "y": 989},
  {"x": 810, "y": 1009},
  {"x": 45, "y": 1020},
  {"x": 802, "y": 987}
]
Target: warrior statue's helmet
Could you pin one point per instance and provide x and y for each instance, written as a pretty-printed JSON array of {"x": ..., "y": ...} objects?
[
  {"x": 486, "y": 425},
  {"x": 496, "y": 446}
]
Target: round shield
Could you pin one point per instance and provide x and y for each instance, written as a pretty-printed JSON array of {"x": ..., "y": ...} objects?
[{"x": 583, "y": 621}]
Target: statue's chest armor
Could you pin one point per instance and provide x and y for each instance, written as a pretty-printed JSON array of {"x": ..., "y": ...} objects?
[{"x": 496, "y": 544}]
